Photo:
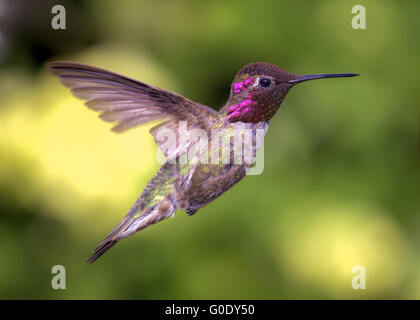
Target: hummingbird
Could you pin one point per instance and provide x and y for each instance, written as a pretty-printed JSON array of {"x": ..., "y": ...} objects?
[{"x": 256, "y": 93}]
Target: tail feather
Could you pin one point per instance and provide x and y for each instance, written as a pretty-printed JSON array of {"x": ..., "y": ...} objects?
[
  {"x": 110, "y": 240},
  {"x": 148, "y": 209},
  {"x": 130, "y": 225},
  {"x": 100, "y": 250}
]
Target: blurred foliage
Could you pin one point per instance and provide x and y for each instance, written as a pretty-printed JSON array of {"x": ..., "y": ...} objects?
[{"x": 340, "y": 185}]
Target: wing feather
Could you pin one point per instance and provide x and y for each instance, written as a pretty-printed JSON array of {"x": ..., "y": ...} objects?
[{"x": 128, "y": 103}]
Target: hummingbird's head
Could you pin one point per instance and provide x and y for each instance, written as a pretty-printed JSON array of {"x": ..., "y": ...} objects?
[{"x": 259, "y": 88}]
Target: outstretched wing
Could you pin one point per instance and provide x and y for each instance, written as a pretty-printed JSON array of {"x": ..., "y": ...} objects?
[{"x": 128, "y": 102}]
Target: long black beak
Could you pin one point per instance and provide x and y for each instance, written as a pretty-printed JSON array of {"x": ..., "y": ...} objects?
[{"x": 306, "y": 77}]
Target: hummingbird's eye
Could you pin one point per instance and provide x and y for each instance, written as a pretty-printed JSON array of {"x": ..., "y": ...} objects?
[{"x": 264, "y": 82}]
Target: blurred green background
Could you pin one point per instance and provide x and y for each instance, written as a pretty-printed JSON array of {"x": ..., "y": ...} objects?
[{"x": 341, "y": 183}]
